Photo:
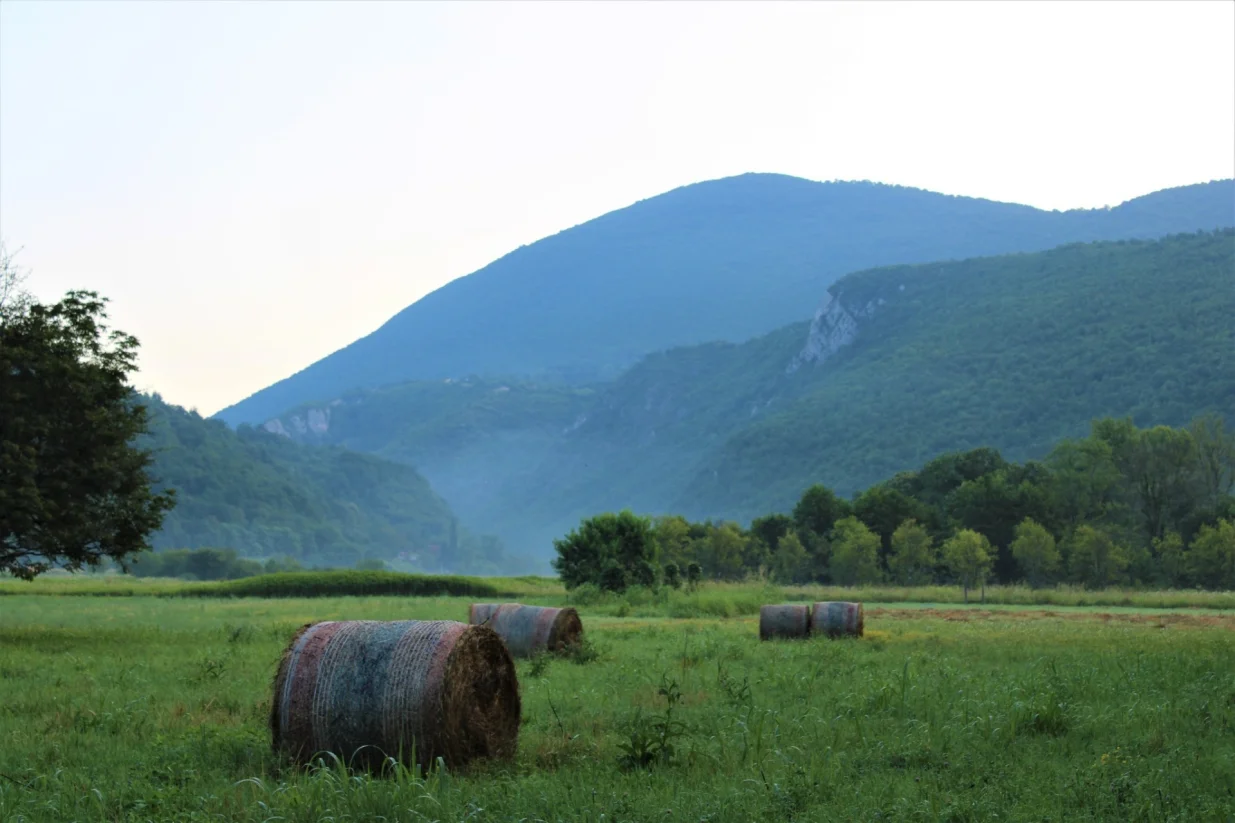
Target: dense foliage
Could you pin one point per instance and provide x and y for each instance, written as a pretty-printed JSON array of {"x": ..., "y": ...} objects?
[
  {"x": 1123, "y": 506},
  {"x": 207, "y": 564},
  {"x": 347, "y": 584},
  {"x": 610, "y": 551},
  {"x": 74, "y": 488},
  {"x": 1012, "y": 352},
  {"x": 722, "y": 260},
  {"x": 266, "y": 496}
]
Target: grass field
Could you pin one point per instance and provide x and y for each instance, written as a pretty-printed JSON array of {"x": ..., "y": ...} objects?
[
  {"x": 715, "y": 599},
  {"x": 154, "y": 708}
]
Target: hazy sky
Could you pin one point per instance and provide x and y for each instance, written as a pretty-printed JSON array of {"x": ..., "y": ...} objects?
[{"x": 257, "y": 184}]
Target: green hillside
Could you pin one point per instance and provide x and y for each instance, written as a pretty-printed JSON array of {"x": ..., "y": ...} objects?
[
  {"x": 721, "y": 260},
  {"x": 1014, "y": 352},
  {"x": 267, "y": 496}
]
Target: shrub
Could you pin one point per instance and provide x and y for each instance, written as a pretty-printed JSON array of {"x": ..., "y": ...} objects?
[{"x": 347, "y": 583}]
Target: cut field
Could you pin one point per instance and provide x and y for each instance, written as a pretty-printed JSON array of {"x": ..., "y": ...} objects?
[{"x": 154, "y": 708}]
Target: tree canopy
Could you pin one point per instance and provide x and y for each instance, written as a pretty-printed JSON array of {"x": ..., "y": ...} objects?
[{"x": 74, "y": 488}]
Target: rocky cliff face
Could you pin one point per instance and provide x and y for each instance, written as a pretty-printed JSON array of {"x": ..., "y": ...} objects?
[
  {"x": 836, "y": 325},
  {"x": 312, "y": 422}
]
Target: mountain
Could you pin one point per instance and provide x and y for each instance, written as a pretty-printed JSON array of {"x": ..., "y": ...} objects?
[
  {"x": 723, "y": 260},
  {"x": 1013, "y": 352},
  {"x": 899, "y": 365},
  {"x": 265, "y": 495}
]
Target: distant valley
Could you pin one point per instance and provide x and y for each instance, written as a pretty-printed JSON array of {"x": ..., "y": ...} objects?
[{"x": 898, "y": 365}]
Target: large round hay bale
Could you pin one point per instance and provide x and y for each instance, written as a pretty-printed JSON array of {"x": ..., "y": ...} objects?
[
  {"x": 479, "y": 613},
  {"x": 784, "y": 621},
  {"x": 367, "y": 690},
  {"x": 836, "y": 619},
  {"x": 529, "y": 630}
]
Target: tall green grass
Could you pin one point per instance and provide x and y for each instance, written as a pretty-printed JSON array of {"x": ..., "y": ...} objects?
[
  {"x": 708, "y": 600},
  {"x": 154, "y": 709}
]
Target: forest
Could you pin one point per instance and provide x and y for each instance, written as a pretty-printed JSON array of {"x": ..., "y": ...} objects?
[
  {"x": 268, "y": 497},
  {"x": 1122, "y": 506}
]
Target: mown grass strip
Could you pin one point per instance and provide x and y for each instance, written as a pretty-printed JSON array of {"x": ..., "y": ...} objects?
[{"x": 712, "y": 599}]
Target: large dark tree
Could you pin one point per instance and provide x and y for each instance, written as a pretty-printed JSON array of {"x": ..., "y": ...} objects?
[
  {"x": 73, "y": 486},
  {"x": 607, "y": 550}
]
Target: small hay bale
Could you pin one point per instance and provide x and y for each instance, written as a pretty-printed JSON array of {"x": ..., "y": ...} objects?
[
  {"x": 837, "y": 619},
  {"x": 529, "y": 630},
  {"x": 367, "y": 690},
  {"x": 785, "y": 620}
]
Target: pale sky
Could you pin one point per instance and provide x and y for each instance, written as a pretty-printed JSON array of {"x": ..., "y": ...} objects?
[{"x": 257, "y": 184}]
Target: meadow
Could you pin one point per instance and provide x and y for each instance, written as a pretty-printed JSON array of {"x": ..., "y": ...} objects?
[{"x": 153, "y": 707}]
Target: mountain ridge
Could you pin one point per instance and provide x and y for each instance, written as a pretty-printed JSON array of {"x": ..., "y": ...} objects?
[
  {"x": 734, "y": 430},
  {"x": 748, "y": 254}
]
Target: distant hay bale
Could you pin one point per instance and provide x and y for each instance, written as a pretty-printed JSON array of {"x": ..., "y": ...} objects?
[
  {"x": 784, "y": 621},
  {"x": 529, "y": 630},
  {"x": 367, "y": 690},
  {"x": 836, "y": 619}
]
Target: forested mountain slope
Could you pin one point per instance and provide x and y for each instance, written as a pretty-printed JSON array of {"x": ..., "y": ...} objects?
[
  {"x": 901, "y": 364},
  {"x": 722, "y": 260},
  {"x": 1014, "y": 352},
  {"x": 264, "y": 495}
]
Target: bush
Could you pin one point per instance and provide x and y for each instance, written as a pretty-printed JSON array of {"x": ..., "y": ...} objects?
[
  {"x": 195, "y": 564},
  {"x": 599, "y": 543},
  {"x": 673, "y": 576},
  {"x": 347, "y": 583}
]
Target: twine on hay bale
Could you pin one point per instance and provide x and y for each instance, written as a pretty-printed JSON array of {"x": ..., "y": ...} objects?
[
  {"x": 786, "y": 620},
  {"x": 366, "y": 690},
  {"x": 836, "y": 619},
  {"x": 529, "y": 630}
]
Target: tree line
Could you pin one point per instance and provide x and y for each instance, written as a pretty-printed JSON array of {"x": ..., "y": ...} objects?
[{"x": 1149, "y": 507}]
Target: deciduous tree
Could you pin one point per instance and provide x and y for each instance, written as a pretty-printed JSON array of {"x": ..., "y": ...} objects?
[
  {"x": 913, "y": 554},
  {"x": 1035, "y": 552},
  {"x": 622, "y": 541},
  {"x": 74, "y": 488},
  {"x": 967, "y": 555},
  {"x": 855, "y": 553},
  {"x": 1211, "y": 556}
]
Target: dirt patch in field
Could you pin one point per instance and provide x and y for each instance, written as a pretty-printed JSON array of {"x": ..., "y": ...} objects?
[{"x": 1162, "y": 621}]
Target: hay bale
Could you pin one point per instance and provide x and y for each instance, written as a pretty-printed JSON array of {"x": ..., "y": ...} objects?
[
  {"x": 836, "y": 619},
  {"x": 479, "y": 613},
  {"x": 366, "y": 690},
  {"x": 529, "y": 630},
  {"x": 785, "y": 620}
]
